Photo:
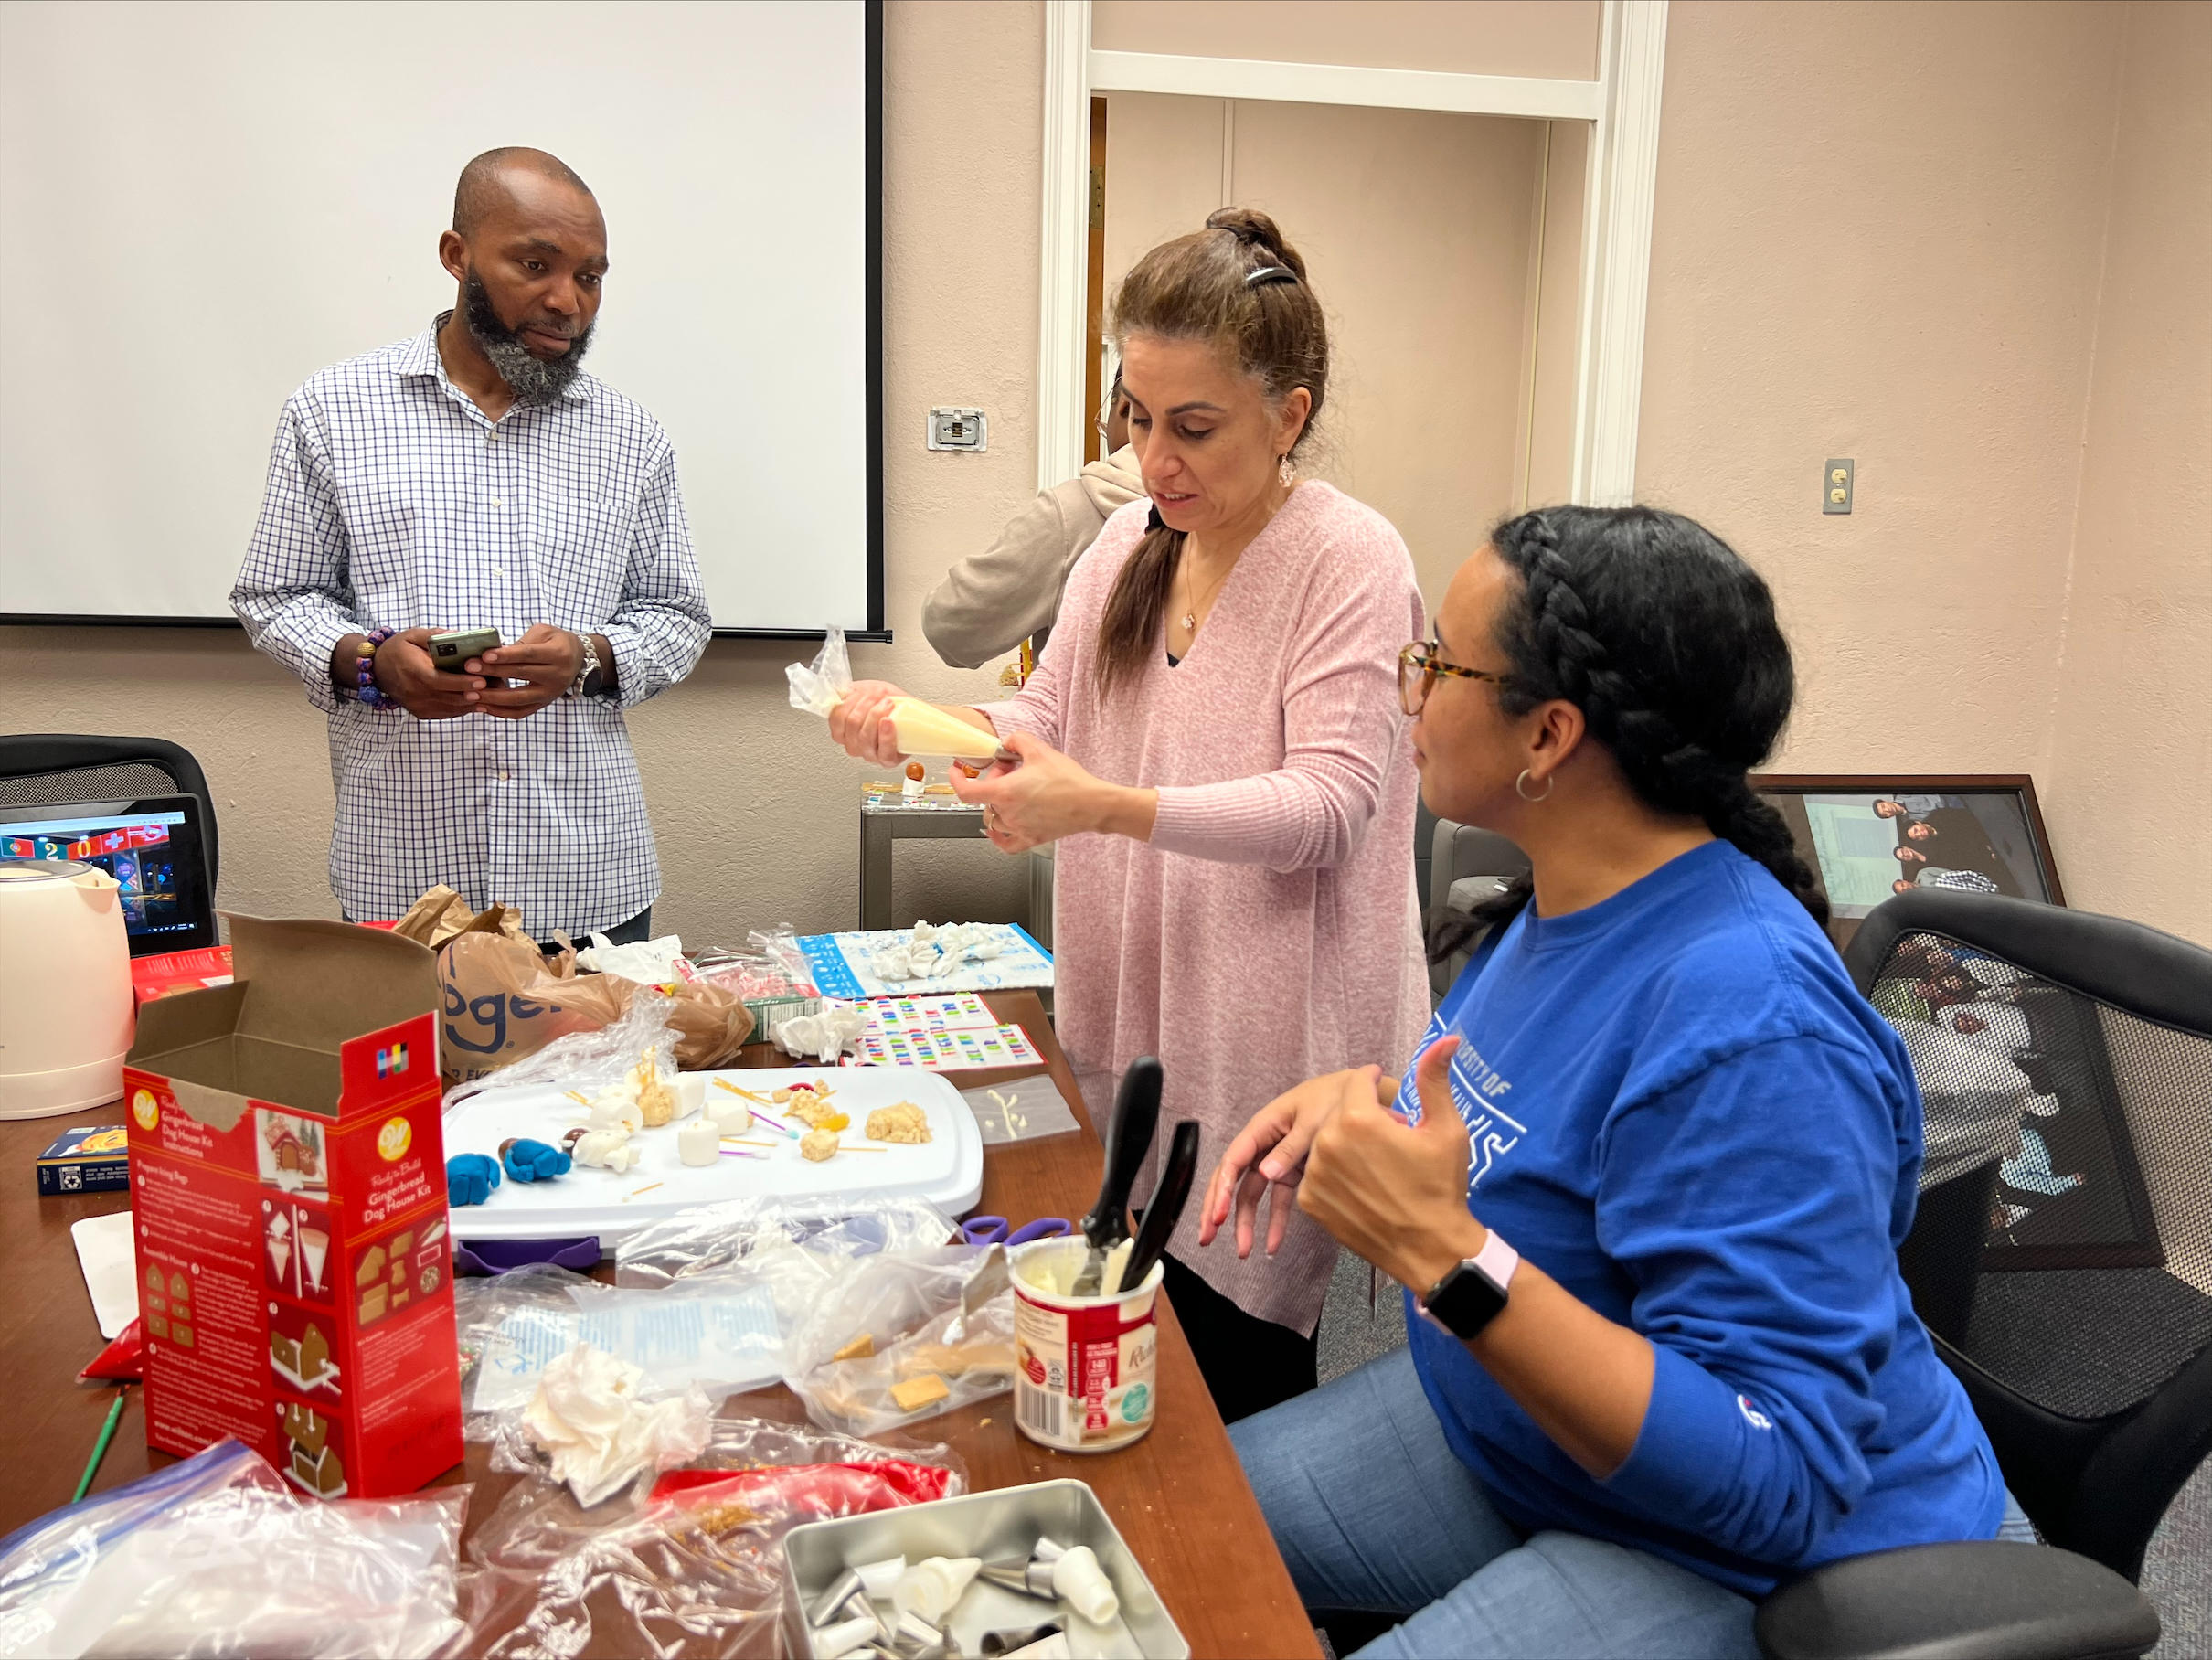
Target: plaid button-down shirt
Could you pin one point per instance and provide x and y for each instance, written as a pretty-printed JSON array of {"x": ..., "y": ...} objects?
[{"x": 393, "y": 503}]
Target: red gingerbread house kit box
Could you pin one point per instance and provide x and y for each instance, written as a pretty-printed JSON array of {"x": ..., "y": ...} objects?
[{"x": 288, "y": 1182}]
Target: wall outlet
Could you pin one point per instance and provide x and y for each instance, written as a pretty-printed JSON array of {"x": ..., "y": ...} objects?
[
  {"x": 1837, "y": 480},
  {"x": 959, "y": 430}
]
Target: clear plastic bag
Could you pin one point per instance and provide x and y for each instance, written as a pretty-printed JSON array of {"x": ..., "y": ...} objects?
[
  {"x": 893, "y": 1320},
  {"x": 1027, "y": 1108},
  {"x": 799, "y": 1252},
  {"x": 821, "y": 687},
  {"x": 594, "y": 1059},
  {"x": 722, "y": 1336},
  {"x": 219, "y": 1556},
  {"x": 695, "y": 1567}
]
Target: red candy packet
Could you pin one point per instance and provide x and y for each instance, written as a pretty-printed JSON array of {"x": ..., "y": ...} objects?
[{"x": 823, "y": 1490}]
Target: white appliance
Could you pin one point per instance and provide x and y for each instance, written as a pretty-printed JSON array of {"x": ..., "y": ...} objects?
[{"x": 66, "y": 1018}]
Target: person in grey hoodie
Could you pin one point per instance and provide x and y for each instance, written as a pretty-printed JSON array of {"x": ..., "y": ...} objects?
[{"x": 991, "y": 601}]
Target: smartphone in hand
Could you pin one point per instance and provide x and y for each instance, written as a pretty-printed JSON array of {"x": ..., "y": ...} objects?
[{"x": 451, "y": 652}]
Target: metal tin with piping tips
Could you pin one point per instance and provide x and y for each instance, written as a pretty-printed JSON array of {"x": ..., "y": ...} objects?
[
  {"x": 1084, "y": 1367},
  {"x": 66, "y": 1018}
]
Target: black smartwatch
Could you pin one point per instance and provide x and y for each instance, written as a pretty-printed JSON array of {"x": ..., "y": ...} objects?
[{"x": 1473, "y": 1293}]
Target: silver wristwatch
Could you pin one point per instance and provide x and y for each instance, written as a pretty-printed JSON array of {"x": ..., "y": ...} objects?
[{"x": 590, "y": 667}]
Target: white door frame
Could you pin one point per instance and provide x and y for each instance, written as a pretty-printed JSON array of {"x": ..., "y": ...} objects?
[{"x": 1622, "y": 104}]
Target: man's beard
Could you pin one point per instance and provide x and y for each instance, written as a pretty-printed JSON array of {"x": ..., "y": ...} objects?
[{"x": 533, "y": 381}]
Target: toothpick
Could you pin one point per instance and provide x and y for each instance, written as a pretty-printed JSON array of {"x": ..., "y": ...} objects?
[
  {"x": 737, "y": 1141},
  {"x": 578, "y": 1097},
  {"x": 648, "y": 1187}
]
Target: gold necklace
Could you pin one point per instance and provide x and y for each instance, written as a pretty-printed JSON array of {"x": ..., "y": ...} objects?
[{"x": 1190, "y": 616}]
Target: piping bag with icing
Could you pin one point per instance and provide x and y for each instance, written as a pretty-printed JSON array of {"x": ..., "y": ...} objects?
[{"x": 921, "y": 728}]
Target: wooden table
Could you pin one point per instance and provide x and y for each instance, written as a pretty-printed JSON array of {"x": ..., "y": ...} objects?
[{"x": 1178, "y": 1496}]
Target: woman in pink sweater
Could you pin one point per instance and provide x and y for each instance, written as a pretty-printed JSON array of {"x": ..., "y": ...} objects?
[{"x": 1214, "y": 737}]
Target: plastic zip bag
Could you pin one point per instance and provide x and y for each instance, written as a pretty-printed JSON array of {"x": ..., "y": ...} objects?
[
  {"x": 588, "y": 1061},
  {"x": 750, "y": 1237},
  {"x": 695, "y": 1568},
  {"x": 882, "y": 1350},
  {"x": 218, "y": 1556},
  {"x": 723, "y": 1337}
]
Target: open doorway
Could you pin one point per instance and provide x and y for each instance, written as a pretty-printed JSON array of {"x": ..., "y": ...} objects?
[{"x": 1446, "y": 248}]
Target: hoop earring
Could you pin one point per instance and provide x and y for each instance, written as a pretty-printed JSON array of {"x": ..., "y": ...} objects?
[
  {"x": 1520, "y": 788},
  {"x": 1286, "y": 474}
]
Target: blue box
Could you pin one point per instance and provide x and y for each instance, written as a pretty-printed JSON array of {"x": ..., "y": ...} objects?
[{"x": 92, "y": 1159}]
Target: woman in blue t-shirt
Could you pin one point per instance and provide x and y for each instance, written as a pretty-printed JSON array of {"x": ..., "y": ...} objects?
[{"x": 1694, "y": 1368}]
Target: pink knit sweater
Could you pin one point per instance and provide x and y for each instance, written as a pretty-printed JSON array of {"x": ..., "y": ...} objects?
[{"x": 1268, "y": 931}]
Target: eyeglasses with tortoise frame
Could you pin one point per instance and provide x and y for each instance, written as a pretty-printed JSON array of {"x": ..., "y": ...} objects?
[{"x": 1419, "y": 666}]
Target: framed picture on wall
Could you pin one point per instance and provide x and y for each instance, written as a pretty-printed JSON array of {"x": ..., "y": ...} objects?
[{"x": 1869, "y": 837}]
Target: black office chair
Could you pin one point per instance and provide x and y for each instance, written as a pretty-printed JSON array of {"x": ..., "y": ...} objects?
[
  {"x": 2062, "y": 1260},
  {"x": 39, "y": 767}
]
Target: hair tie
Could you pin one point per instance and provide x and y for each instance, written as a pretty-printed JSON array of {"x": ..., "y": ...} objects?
[{"x": 1270, "y": 273}]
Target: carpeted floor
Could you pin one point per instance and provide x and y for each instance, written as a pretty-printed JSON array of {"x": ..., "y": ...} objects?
[{"x": 2177, "y": 1573}]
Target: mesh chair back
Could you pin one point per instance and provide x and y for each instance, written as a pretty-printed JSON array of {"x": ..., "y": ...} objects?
[
  {"x": 90, "y": 784},
  {"x": 2063, "y": 1244}
]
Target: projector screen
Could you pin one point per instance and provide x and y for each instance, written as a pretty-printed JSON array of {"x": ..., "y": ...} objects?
[{"x": 202, "y": 204}]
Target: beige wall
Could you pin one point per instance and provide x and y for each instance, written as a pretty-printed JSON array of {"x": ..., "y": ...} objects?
[
  {"x": 1899, "y": 233},
  {"x": 1416, "y": 230},
  {"x": 1548, "y": 39},
  {"x": 2129, "y": 765},
  {"x": 755, "y": 811},
  {"x": 1880, "y": 233}
]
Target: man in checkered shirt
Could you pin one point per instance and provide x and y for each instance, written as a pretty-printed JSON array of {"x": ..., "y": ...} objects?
[{"x": 472, "y": 477}]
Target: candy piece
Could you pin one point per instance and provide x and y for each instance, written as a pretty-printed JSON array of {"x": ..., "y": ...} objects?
[
  {"x": 729, "y": 1115},
  {"x": 469, "y": 1177},
  {"x": 820, "y": 1145},
  {"x": 607, "y": 1149},
  {"x": 698, "y": 1141},
  {"x": 916, "y": 1393},
  {"x": 904, "y": 1122},
  {"x": 533, "y": 1161},
  {"x": 655, "y": 1099}
]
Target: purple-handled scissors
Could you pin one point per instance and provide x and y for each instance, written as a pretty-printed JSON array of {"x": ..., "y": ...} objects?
[{"x": 991, "y": 1231}]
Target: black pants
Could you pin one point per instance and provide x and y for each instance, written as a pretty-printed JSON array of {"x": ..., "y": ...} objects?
[
  {"x": 637, "y": 929},
  {"x": 1248, "y": 1364},
  {"x": 635, "y": 932}
]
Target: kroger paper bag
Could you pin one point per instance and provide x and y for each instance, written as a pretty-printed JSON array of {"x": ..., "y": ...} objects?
[{"x": 503, "y": 999}]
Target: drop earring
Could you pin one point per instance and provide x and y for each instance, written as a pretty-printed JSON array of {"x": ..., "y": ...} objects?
[{"x": 1286, "y": 474}]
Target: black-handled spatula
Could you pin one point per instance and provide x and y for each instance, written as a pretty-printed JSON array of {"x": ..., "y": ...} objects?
[
  {"x": 1166, "y": 1208},
  {"x": 1136, "y": 1114}
]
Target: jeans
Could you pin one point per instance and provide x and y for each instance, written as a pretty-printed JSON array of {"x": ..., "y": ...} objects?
[{"x": 1372, "y": 1510}]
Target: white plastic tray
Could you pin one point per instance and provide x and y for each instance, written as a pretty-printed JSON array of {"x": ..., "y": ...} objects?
[{"x": 947, "y": 1170}]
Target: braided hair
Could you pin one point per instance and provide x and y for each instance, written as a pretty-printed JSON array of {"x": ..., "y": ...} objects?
[{"x": 1667, "y": 640}]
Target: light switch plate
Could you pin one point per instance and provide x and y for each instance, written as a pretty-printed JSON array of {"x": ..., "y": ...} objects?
[
  {"x": 959, "y": 430},
  {"x": 1838, "y": 479}
]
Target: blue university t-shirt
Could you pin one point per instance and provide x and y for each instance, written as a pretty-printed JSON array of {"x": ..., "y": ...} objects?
[{"x": 1682, "y": 1110}]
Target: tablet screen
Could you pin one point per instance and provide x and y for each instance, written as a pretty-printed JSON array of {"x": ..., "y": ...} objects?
[{"x": 150, "y": 847}]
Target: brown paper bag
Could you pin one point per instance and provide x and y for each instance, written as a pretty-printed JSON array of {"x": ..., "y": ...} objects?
[
  {"x": 503, "y": 1000},
  {"x": 442, "y": 914}
]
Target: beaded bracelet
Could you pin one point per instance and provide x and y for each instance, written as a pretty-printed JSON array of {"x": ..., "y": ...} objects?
[{"x": 364, "y": 672}]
